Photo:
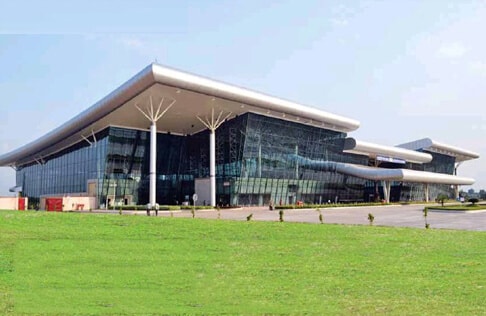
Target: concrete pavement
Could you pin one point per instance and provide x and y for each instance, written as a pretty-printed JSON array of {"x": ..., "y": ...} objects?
[{"x": 388, "y": 215}]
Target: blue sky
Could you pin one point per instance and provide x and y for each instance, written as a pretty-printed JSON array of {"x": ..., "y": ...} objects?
[{"x": 405, "y": 69}]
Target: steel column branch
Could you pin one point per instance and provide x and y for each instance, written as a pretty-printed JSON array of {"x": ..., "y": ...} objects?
[{"x": 153, "y": 116}]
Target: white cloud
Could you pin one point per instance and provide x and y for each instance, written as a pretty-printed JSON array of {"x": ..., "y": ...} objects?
[
  {"x": 452, "y": 50},
  {"x": 339, "y": 21},
  {"x": 480, "y": 127},
  {"x": 91, "y": 37},
  {"x": 478, "y": 67},
  {"x": 5, "y": 147},
  {"x": 131, "y": 42},
  {"x": 340, "y": 15}
]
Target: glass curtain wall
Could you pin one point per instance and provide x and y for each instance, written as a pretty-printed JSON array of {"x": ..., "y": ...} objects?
[
  {"x": 66, "y": 172},
  {"x": 440, "y": 164},
  {"x": 271, "y": 170}
]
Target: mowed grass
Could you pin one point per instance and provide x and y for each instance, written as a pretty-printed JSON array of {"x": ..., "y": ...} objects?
[{"x": 91, "y": 264}]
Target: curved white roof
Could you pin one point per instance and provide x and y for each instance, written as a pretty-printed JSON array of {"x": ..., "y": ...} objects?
[
  {"x": 406, "y": 175},
  {"x": 194, "y": 96},
  {"x": 359, "y": 147},
  {"x": 377, "y": 174},
  {"x": 441, "y": 148}
]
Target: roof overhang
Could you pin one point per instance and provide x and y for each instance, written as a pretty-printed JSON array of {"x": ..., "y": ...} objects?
[
  {"x": 193, "y": 95},
  {"x": 441, "y": 148},
  {"x": 371, "y": 150}
]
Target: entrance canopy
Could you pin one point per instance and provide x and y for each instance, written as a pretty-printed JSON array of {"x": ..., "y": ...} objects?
[{"x": 193, "y": 95}]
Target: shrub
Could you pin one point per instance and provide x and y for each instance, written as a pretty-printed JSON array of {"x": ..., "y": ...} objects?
[
  {"x": 280, "y": 215},
  {"x": 473, "y": 201},
  {"x": 248, "y": 218}
]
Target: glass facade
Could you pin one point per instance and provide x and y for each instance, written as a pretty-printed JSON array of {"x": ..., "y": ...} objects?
[
  {"x": 258, "y": 160},
  {"x": 270, "y": 167},
  {"x": 416, "y": 191},
  {"x": 66, "y": 172},
  {"x": 407, "y": 191}
]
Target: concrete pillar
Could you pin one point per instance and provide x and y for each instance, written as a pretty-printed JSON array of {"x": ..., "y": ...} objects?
[
  {"x": 212, "y": 165},
  {"x": 259, "y": 168},
  {"x": 153, "y": 164},
  {"x": 388, "y": 187},
  {"x": 426, "y": 191},
  {"x": 296, "y": 162},
  {"x": 386, "y": 191}
]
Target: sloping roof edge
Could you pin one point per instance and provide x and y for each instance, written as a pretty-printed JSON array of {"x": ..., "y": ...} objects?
[
  {"x": 435, "y": 146},
  {"x": 155, "y": 73}
]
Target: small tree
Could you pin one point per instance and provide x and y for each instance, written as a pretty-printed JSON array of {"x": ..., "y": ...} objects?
[
  {"x": 441, "y": 198},
  {"x": 371, "y": 218},
  {"x": 427, "y": 225},
  {"x": 248, "y": 218},
  {"x": 321, "y": 218},
  {"x": 280, "y": 215}
]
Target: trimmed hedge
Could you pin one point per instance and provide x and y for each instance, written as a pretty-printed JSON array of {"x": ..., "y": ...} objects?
[
  {"x": 197, "y": 207},
  {"x": 143, "y": 208},
  {"x": 161, "y": 207},
  {"x": 457, "y": 207},
  {"x": 307, "y": 206},
  {"x": 129, "y": 208}
]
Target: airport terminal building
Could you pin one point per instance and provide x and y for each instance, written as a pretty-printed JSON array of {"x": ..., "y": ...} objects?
[{"x": 166, "y": 134}]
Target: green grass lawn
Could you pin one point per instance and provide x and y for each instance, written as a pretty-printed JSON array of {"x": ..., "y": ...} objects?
[{"x": 91, "y": 264}]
